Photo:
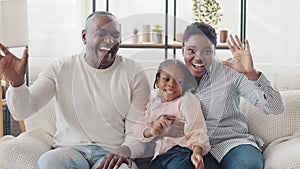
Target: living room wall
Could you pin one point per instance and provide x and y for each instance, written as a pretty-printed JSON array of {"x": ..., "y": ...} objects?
[{"x": 273, "y": 38}]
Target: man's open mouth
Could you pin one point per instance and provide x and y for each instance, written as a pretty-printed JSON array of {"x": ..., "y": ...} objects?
[{"x": 104, "y": 49}]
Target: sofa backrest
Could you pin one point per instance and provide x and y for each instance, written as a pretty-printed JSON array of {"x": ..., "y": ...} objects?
[
  {"x": 271, "y": 127},
  {"x": 268, "y": 127},
  {"x": 45, "y": 119}
]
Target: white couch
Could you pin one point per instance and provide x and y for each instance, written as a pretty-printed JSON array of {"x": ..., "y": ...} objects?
[{"x": 281, "y": 134}]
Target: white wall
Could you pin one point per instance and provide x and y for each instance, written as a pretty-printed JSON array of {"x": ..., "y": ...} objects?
[
  {"x": 273, "y": 28},
  {"x": 55, "y": 26}
]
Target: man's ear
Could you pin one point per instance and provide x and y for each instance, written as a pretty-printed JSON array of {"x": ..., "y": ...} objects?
[
  {"x": 182, "y": 50},
  {"x": 83, "y": 36}
]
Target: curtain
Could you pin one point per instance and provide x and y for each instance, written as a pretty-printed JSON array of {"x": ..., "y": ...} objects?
[{"x": 54, "y": 30}]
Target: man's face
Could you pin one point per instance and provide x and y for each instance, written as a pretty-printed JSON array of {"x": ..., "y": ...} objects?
[{"x": 102, "y": 38}]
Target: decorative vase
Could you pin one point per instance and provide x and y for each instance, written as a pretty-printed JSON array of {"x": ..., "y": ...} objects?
[
  {"x": 146, "y": 33},
  {"x": 157, "y": 37},
  {"x": 135, "y": 38}
]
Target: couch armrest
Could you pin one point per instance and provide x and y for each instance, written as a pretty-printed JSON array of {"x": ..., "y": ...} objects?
[
  {"x": 283, "y": 153},
  {"x": 24, "y": 151},
  {"x": 272, "y": 127}
]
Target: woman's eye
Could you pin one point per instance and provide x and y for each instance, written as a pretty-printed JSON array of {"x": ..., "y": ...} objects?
[{"x": 208, "y": 52}]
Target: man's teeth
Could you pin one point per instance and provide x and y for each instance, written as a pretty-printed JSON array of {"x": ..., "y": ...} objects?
[{"x": 105, "y": 48}]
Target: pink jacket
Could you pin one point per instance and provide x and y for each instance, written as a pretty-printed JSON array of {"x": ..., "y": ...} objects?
[{"x": 188, "y": 110}]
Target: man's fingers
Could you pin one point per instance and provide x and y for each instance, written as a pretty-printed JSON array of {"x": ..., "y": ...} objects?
[
  {"x": 129, "y": 162},
  {"x": 247, "y": 45},
  {"x": 101, "y": 166},
  {"x": 116, "y": 162},
  {"x": 4, "y": 49},
  {"x": 105, "y": 162},
  {"x": 113, "y": 163},
  {"x": 25, "y": 54},
  {"x": 120, "y": 161}
]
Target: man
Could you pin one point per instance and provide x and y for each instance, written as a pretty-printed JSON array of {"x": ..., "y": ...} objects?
[{"x": 98, "y": 95}]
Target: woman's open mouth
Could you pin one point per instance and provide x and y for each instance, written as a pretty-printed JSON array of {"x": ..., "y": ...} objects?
[{"x": 198, "y": 65}]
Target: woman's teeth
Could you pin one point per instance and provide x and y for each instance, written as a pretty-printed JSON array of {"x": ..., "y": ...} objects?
[{"x": 198, "y": 65}]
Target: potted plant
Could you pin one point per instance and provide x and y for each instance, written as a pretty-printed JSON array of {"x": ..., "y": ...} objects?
[
  {"x": 135, "y": 36},
  {"x": 157, "y": 33},
  {"x": 207, "y": 11}
]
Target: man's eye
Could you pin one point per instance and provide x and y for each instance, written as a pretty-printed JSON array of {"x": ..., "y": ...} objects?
[
  {"x": 115, "y": 35},
  {"x": 102, "y": 33}
]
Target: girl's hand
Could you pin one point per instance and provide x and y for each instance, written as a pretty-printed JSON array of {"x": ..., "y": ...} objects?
[
  {"x": 243, "y": 62},
  {"x": 162, "y": 124},
  {"x": 197, "y": 160}
]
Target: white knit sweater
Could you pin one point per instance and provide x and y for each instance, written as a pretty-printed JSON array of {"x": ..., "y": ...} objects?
[{"x": 93, "y": 106}]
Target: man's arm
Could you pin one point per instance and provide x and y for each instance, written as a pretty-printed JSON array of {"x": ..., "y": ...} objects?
[{"x": 23, "y": 101}]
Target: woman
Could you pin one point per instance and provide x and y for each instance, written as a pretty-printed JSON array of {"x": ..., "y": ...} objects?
[{"x": 220, "y": 87}]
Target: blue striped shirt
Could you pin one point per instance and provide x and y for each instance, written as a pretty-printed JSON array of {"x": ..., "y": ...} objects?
[{"x": 219, "y": 92}]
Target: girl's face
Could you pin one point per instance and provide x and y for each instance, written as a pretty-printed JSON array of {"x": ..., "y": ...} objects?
[
  {"x": 198, "y": 52},
  {"x": 170, "y": 82}
]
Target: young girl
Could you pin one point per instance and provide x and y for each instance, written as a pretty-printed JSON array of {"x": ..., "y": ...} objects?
[{"x": 174, "y": 81}]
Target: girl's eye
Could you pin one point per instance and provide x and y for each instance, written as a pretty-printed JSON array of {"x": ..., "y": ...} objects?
[
  {"x": 165, "y": 79},
  {"x": 191, "y": 50}
]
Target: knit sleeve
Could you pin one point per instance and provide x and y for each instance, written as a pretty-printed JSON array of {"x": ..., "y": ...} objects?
[
  {"x": 24, "y": 101},
  {"x": 140, "y": 93}
]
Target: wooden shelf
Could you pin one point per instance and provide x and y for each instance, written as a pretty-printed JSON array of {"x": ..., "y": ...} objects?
[{"x": 162, "y": 45}]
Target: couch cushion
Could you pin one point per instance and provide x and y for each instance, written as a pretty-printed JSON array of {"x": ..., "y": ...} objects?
[
  {"x": 284, "y": 154},
  {"x": 272, "y": 127}
]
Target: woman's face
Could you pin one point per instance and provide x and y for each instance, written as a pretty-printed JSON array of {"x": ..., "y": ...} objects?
[{"x": 198, "y": 52}]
